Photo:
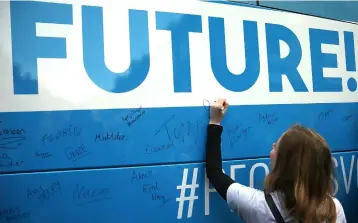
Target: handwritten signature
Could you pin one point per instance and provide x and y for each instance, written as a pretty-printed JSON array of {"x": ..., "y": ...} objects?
[
  {"x": 76, "y": 153},
  {"x": 12, "y": 138},
  {"x": 6, "y": 162},
  {"x": 12, "y": 142},
  {"x": 62, "y": 133},
  {"x": 42, "y": 155},
  {"x": 45, "y": 193},
  {"x": 133, "y": 116},
  {"x": 269, "y": 118},
  {"x": 113, "y": 136},
  {"x": 156, "y": 195},
  {"x": 13, "y": 214},
  {"x": 154, "y": 149},
  {"x": 83, "y": 195},
  {"x": 238, "y": 132},
  {"x": 181, "y": 131},
  {"x": 325, "y": 114},
  {"x": 141, "y": 176}
]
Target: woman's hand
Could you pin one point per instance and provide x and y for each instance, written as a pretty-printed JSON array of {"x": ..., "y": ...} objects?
[{"x": 217, "y": 111}]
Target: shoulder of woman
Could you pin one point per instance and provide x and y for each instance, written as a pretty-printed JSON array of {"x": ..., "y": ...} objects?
[
  {"x": 339, "y": 207},
  {"x": 337, "y": 202}
]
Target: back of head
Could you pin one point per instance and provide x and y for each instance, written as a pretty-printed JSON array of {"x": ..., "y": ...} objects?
[{"x": 302, "y": 172}]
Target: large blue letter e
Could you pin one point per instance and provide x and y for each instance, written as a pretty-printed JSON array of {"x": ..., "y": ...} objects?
[{"x": 27, "y": 47}]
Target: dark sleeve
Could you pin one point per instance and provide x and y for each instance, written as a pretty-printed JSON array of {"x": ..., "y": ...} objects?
[{"x": 217, "y": 178}]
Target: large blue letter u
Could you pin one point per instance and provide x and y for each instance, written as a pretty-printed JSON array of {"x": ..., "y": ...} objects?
[
  {"x": 93, "y": 51},
  {"x": 228, "y": 80}
]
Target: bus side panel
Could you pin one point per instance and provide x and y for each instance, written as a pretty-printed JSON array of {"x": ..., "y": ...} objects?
[
  {"x": 105, "y": 138},
  {"x": 141, "y": 194}
]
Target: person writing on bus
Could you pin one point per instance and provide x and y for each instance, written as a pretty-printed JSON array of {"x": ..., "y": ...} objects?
[{"x": 298, "y": 188}]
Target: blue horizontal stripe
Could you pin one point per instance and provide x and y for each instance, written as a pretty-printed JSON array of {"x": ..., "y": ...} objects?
[
  {"x": 116, "y": 137},
  {"x": 139, "y": 194}
]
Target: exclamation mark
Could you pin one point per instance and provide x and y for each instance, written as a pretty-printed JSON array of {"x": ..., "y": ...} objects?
[{"x": 350, "y": 59}]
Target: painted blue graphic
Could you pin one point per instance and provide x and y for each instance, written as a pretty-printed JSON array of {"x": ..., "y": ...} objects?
[
  {"x": 93, "y": 51},
  {"x": 91, "y": 138},
  {"x": 27, "y": 47},
  {"x": 320, "y": 60},
  {"x": 162, "y": 193},
  {"x": 180, "y": 44},
  {"x": 24, "y": 40},
  {"x": 131, "y": 165},
  {"x": 232, "y": 82},
  {"x": 278, "y": 66}
]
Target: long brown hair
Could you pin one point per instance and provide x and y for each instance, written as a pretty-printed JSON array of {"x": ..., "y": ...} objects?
[{"x": 302, "y": 172}]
